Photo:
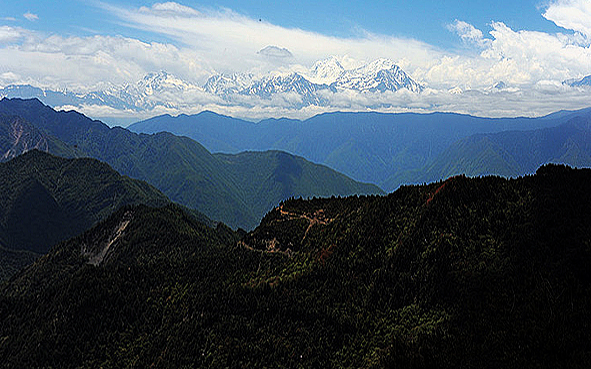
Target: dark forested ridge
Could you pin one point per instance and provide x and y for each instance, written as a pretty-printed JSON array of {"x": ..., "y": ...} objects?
[
  {"x": 178, "y": 166},
  {"x": 471, "y": 273}
]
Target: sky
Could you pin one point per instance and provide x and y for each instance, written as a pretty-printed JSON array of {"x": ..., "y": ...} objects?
[{"x": 458, "y": 50}]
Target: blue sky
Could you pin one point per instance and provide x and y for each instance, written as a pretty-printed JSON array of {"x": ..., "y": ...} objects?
[
  {"x": 419, "y": 19},
  {"x": 458, "y": 50}
]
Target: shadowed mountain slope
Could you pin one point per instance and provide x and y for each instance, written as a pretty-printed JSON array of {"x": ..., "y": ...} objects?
[{"x": 46, "y": 199}]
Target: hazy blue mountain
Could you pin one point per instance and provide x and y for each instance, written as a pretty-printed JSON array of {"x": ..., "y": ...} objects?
[
  {"x": 179, "y": 166},
  {"x": 386, "y": 149},
  {"x": 516, "y": 153}
]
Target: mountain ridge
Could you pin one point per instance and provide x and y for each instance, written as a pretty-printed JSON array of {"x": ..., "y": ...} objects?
[
  {"x": 296, "y": 89},
  {"x": 382, "y": 148},
  {"x": 180, "y": 167}
]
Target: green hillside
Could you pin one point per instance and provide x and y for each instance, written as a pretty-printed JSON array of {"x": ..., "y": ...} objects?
[
  {"x": 269, "y": 177},
  {"x": 469, "y": 273}
]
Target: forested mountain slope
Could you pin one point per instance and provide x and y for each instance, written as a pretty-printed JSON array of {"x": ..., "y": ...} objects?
[
  {"x": 480, "y": 273},
  {"x": 45, "y": 199}
]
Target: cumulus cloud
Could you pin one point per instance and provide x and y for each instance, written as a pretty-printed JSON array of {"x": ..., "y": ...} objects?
[
  {"x": 30, "y": 16},
  {"x": 571, "y": 14},
  {"x": 520, "y": 58},
  {"x": 468, "y": 33}
]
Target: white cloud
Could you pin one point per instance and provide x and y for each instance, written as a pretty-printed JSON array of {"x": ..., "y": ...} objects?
[
  {"x": 468, "y": 33},
  {"x": 571, "y": 14},
  {"x": 230, "y": 41},
  {"x": 87, "y": 63},
  {"x": 170, "y": 9},
  {"x": 10, "y": 34},
  {"x": 30, "y": 16}
]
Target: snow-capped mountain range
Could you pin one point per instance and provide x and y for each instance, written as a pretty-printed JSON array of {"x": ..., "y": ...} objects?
[
  {"x": 584, "y": 82},
  {"x": 298, "y": 89}
]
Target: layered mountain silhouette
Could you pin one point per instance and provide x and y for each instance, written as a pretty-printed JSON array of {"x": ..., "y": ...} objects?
[
  {"x": 178, "y": 166},
  {"x": 385, "y": 149}
]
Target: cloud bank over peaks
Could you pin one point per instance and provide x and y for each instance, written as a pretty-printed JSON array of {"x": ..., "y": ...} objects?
[{"x": 218, "y": 59}]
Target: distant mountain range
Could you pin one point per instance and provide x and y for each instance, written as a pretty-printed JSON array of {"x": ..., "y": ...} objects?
[
  {"x": 299, "y": 89},
  {"x": 178, "y": 166},
  {"x": 515, "y": 153},
  {"x": 385, "y": 149}
]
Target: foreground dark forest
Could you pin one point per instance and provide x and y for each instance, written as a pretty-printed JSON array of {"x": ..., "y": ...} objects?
[{"x": 485, "y": 272}]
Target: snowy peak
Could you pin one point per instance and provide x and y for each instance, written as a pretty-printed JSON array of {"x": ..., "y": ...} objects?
[
  {"x": 376, "y": 66},
  {"x": 318, "y": 86},
  {"x": 293, "y": 83},
  {"x": 326, "y": 71},
  {"x": 380, "y": 75},
  {"x": 220, "y": 84},
  {"x": 161, "y": 82},
  {"x": 584, "y": 82}
]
